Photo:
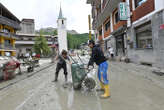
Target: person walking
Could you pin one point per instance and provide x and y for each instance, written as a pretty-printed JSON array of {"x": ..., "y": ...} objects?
[
  {"x": 97, "y": 56},
  {"x": 111, "y": 52},
  {"x": 61, "y": 64}
]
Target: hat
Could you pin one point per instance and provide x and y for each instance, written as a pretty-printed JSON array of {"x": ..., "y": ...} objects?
[{"x": 91, "y": 42}]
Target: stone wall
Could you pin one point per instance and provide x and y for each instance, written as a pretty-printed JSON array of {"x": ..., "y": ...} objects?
[{"x": 158, "y": 38}]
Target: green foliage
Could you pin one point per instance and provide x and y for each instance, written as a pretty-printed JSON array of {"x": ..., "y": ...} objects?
[
  {"x": 74, "y": 40},
  {"x": 55, "y": 32},
  {"x": 41, "y": 47}
]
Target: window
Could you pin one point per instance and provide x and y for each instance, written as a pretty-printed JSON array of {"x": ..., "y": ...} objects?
[
  {"x": 30, "y": 39},
  {"x": 6, "y": 30},
  {"x": 117, "y": 19},
  {"x": 62, "y": 21},
  {"x": 100, "y": 32},
  {"x": 107, "y": 26},
  {"x": 104, "y": 3},
  {"x": 7, "y": 42},
  {"x": 144, "y": 39},
  {"x": 139, "y": 2}
]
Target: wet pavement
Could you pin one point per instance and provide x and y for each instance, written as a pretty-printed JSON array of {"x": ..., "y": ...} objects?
[{"x": 129, "y": 91}]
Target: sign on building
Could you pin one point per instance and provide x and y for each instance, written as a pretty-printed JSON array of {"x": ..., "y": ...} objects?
[{"x": 123, "y": 11}]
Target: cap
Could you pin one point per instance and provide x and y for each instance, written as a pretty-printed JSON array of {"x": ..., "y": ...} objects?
[{"x": 91, "y": 42}]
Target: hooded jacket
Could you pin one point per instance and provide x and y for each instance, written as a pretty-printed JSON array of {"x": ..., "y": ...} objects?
[{"x": 97, "y": 56}]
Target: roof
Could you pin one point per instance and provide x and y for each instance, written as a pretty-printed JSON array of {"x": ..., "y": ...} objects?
[
  {"x": 28, "y": 20},
  {"x": 9, "y": 13},
  {"x": 89, "y": 1},
  {"x": 60, "y": 14}
]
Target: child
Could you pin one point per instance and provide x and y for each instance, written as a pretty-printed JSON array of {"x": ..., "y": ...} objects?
[{"x": 61, "y": 65}]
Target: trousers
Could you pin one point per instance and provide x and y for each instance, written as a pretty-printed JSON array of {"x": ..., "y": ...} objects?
[
  {"x": 61, "y": 66},
  {"x": 102, "y": 73}
]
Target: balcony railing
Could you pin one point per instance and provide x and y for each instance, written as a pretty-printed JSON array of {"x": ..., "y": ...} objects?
[
  {"x": 9, "y": 47},
  {"x": 10, "y": 35},
  {"x": 9, "y": 22}
]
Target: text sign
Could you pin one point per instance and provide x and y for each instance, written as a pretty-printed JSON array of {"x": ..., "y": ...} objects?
[{"x": 123, "y": 11}]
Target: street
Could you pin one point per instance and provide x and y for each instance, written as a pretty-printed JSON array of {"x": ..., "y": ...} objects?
[{"x": 129, "y": 91}]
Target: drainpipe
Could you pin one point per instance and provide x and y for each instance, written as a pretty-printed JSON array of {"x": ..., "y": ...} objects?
[{"x": 128, "y": 25}]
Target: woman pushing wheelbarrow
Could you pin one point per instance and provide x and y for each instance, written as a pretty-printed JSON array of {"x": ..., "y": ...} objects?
[{"x": 98, "y": 57}]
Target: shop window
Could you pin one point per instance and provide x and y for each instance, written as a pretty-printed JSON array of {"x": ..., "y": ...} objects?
[
  {"x": 107, "y": 26},
  {"x": 30, "y": 39},
  {"x": 117, "y": 19},
  {"x": 139, "y": 2},
  {"x": 144, "y": 40},
  {"x": 100, "y": 32}
]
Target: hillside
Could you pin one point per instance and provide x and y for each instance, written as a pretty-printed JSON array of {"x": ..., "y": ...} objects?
[
  {"x": 75, "y": 40},
  {"x": 50, "y": 31}
]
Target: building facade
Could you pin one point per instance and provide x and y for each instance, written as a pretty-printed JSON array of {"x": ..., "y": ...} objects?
[
  {"x": 27, "y": 26},
  {"x": 26, "y": 40},
  {"x": 9, "y": 24},
  {"x": 138, "y": 37}
]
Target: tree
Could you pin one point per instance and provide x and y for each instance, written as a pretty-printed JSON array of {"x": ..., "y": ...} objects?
[
  {"x": 74, "y": 40},
  {"x": 41, "y": 46},
  {"x": 55, "y": 32}
]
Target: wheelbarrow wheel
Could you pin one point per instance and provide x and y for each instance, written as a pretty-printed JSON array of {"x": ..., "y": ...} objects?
[
  {"x": 89, "y": 83},
  {"x": 76, "y": 86}
]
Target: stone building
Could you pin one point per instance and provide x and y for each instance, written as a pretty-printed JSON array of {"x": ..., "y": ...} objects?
[
  {"x": 9, "y": 24},
  {"x": 138, "y": 37}
]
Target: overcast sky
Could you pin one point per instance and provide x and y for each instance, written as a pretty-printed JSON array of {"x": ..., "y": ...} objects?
[{"x": 45, "y": 12}]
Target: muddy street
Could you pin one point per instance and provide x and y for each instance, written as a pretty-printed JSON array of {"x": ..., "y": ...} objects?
[{"x": 129, "y": 91}]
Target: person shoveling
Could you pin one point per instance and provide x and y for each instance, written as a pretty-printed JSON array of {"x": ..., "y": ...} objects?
[{"x": 61, "y": 64}]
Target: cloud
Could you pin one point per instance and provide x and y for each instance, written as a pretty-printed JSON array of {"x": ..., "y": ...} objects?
[{"x": 45, "y": 12}]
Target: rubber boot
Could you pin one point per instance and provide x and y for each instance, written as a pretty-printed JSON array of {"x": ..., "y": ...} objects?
[
  {"x": 107, "y": 92},
  {"x": 66, "y": 78},
  {"x": 56, "y": 78},
  {"x": 102, "y": 87}
]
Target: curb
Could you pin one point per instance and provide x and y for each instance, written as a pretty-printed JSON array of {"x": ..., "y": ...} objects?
[{"x": 28, "y": 76}]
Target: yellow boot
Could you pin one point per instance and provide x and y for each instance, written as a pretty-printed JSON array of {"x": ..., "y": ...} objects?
[
  {"x": 101, "y": 87},
  {"x": 107, "y": 92}
]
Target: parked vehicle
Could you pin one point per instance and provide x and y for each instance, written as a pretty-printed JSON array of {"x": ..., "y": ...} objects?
[{"x": 8, "y": 66}]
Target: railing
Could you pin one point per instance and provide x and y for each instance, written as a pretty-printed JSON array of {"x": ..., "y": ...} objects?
[
  {"x": 10, "y": 35},
  {"x": 9, "y": 22},
  {"x": 9, "y": 47}
]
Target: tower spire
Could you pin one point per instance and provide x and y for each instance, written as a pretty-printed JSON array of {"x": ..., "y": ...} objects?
[{"x": 60, "y": 13}]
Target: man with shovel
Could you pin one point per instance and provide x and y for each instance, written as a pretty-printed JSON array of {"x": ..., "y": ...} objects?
[
  {"x": 61, "y": 64},
  {"x": 97, "y": 56}
]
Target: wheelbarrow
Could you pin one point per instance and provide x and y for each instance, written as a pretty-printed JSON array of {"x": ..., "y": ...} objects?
[{"x": 81, "y": 77}]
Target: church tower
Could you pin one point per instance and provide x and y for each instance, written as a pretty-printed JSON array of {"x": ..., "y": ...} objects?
[{"x": 62, "y": 32}]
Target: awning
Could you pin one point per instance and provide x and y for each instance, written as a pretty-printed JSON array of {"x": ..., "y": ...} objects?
[
  {"x": 53, "y": 46},
  {"x": 119, "y": 31}
]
